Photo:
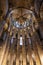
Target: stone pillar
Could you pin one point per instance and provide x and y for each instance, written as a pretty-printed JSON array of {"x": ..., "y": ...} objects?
[
  {"x": 40, "y": 51},
  {"x": 17, "y": 54},
  {"x": 37, "y": 58},
  {"x": 3, "y": 52},
  {"x": 24, "y": 54},
  {"x": 30, "y": 55},
  {"x": 5, "y": 58}
]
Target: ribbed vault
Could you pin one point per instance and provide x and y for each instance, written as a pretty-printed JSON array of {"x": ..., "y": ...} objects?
[{"x": 21, "y": 32}]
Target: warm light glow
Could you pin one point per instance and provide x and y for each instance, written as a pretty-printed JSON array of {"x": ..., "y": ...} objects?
[
  {"x": 21, "y": 42},
  {"x": 5, "y": 26},
  {"x": 11, "y": 33},
  {"x": 33, "y": 55},
  {"x": 42, "y": 59}
]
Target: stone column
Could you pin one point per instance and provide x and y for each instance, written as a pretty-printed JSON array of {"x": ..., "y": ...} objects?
[
  {"x": 30, "y": 55},
  {"x": 17, "y": 54},
  {"x": 37, "y": 58},
  {"x": 3, "y": 52},
  {"x": 24, "y": 54},
  {"x": 40, "y": 51},
  {"x": 5, "y": 58}
]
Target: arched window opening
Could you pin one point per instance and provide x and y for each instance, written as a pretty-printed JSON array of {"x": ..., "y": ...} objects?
[{"x": 21, "y": 40}]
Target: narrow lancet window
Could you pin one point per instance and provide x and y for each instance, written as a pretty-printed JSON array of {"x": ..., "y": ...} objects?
[{"x": 21, "y": 40}]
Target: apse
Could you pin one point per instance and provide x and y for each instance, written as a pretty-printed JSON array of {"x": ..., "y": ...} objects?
[{"x": 21, "y": 32}]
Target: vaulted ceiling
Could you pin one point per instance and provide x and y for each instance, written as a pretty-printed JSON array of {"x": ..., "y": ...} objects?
[
  {"x": 22, "y": 17},
  {"x": 22, "y": 6},
  {"x": 34, "y": 5}
]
